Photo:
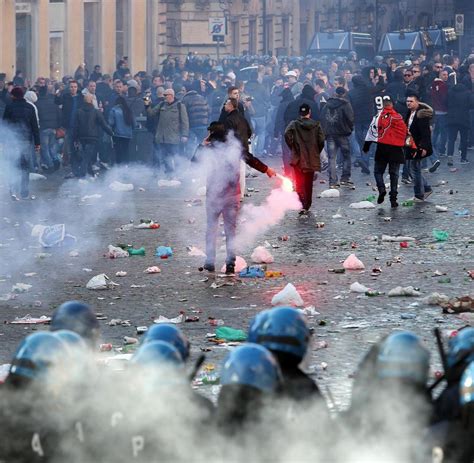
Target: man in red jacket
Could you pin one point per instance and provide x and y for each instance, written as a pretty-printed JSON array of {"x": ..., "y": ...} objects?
[{"x": 439, "y": 97}]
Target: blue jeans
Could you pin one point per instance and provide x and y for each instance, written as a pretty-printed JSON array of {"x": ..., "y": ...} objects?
[
  {"x": 335, "y": 142},
  {"x": 360, "y": 132},
  {"x": 49, "y": 147},
  {"x": 393, "y": 170},
  {"x": 259, "y": 128},
  {"x": 229, "y": 208},
  {"x": 196, "y": 136},
  {"x": 421, "y": 184},
  {"x": 88, "y": 153},
  {"x": 452, "y": 135},
  {"x": 440, "y": 135},
  {"x": 407, "y": 171},
  {"x": 19, "y": 177}
]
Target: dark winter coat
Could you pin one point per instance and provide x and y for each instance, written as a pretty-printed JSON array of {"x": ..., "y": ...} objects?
[
  {"x": 88, "y": 123},
  {"x": 280, "y": 126},
  {"x": 216, "y": 101},
  {"x": 240, "y": 126},
  {"x": 198, "y": 109},
  {"x": 397, "y": 91},
  {"x": 305, "y": 138},
  {"x": 361, "y": 100},
  {"x": 459, "y": 103},
  {"x": 468, "y": 83},
  {"x": 337, "y": 117},
  {"x": 261, "y": 97},
  {"x": 20, "y": 116},
  {"x": 48, "y": 112},
  {"x": 421, "y": 132},
  {"x": 67, "y": 102},
  {"x": 293, "y": 110}
]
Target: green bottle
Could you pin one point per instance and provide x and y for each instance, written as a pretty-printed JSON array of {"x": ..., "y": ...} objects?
[
  {"x": 408, "y": 203},
  {"x": 372, "y": 293}
]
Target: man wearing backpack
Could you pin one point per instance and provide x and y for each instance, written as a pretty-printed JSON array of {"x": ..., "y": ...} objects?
[{"x": 172, "y": 128}]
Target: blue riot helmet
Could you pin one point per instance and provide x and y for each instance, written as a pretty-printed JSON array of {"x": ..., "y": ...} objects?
[
  {"x": 282, "y": 329},
  {"x": 36, "y": 354},
  {"x": 157, "y": 353},
  {"x": 71, "y": 339},
  {"x": 403, "y": 357},
  {"x": 169, "y": 333},
  {"x": 251, "y": 365},
  {"x": 78, "y": 317},
  {"x": 466, "y": 386},
  {"x": 459, "y": 346}
]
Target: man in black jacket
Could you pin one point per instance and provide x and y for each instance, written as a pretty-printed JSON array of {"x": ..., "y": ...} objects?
[
  {"x": 70, "y": 102},
  {"x": 280, "y": 127},
  {"x": 86, "y": 134},
  {"x": 307, "y": 97},
  {"x": 20, "y": 118},
  {"x": 418, "y": 123},
  {"x": 49, "y": 120},
  {"x": 337, "y": 120}
]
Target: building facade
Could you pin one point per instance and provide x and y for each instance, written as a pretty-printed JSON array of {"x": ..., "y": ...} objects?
[{"x": 52, "y": 37}]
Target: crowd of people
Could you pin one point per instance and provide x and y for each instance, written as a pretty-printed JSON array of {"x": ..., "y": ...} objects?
[
  {"x": 87, "y": 121},
  {"x": 63, "y": 401}
]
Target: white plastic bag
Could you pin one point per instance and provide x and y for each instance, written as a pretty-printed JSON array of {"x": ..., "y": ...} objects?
[
  {"x": 101, "y": 281},
  {"x": 406, "y": 291},
  {"x": 362, "y": 205},
  {"x": 169, "y": 183},
  {"x": 288, "y": 296},
  {"x": 119, "y": 186},
  {"x": 260, "y": 255},
  {"x": 353, "y": 263},
  {"x": 356, "y": 287},
  {"x": 35, "y": 176},
  {"x": 195, "y": 252},
  {"x": 332, "y": 193},
  {"x": 153, "y": 269},
  {"x": 240, "y": 264},
  {"x": 201, "y": 191},
  {"x": 175, "y": 320},
  {"x": 116, "y": 252}
]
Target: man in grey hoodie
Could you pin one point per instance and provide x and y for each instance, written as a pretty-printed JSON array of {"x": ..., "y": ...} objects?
[
  {"x": 305, "y": 138},
  {"x": 337, "y": 118}
]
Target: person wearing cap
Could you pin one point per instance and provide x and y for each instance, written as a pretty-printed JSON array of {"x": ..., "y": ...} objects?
[
  {"x": 20, "y": 118},
  {"x": 172, "y": 128},
  {"x": 337, "y": 118},
  {"x": 292, "y": 78},
  {"x": 305, "y": 138}
]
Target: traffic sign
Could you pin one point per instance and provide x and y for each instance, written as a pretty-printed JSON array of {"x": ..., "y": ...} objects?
[
  {"x": 217, "y": 26},
  {"x": 459, "y": 24}
]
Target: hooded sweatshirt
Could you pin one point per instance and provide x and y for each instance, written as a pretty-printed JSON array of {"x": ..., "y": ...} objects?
[
  {"x": 362, "y": 101},
  {"x": 305, "y": 138},
  {"x": 286, "y": 98},
  {"x": 337, "y": 117},
  {"x": 293, "y": 110}
]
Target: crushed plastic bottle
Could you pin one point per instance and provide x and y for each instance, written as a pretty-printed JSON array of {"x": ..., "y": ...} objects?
[
  {"x": 404, "y": 244},
  {"x": 408, "y": 203},
  {"x": 372, "y": 293},
  {"x": 440, "y": 235},
  {"x": 370, "y": 198},
  {"x": 254, "y": 271}
]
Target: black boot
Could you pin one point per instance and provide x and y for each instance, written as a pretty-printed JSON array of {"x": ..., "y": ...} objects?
[
  {"x": 381, "y": 197},
  {"x": 393, "y": 200}
]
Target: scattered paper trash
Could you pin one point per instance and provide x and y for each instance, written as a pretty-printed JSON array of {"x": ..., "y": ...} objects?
[
  {"x": 168, "y": 183},
  {"x": 35, "y": 176},
  {"x": 101, "y": 281},
  {"x": 119, "y": 186},
  {"x": 353, "y": 263},
  {"x": 201, "y": 191},
  {"x": 261, "y": 255},
  {"x": 441, "y": 208},
  {"x": 147, "y": 225},
  {"x": 121, "y": 273},
  {"x": 462, "y": 213},
  {"x": 175, "y": 320},
  {"x": 288, "y": 296},
  {"x": 407, "y": 291},
  {"x": 440, "y": 235},
  {"x": 74, "y": 254},
  {"x": 229, "y": 334},
  {"x": 136, "y": 252},
  {"x": 127, "y": 340},
  {"x": 29, "y": 320},
  {"x": 88, "y": 197},
  {"x": 37, "y": 230},
  {"x": 21, "y": 288},
  {"x": 309, "y": 311},
  {"x": 55, "y": 235},
  {"x": 459, "y": 304},
  {"x": 362, "y": 205},
  {"x": 115, "y": 252},
  {"x": 332, "y": 193},
  {"x": 396, "y": 239},
  {"x": 254, "y": 271},
  {"x": 195, "y": 251},
  {"x": 338, "y": 214},
  {"x": 153, "y": 269},
  {"x": 356, "y": 287}
]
